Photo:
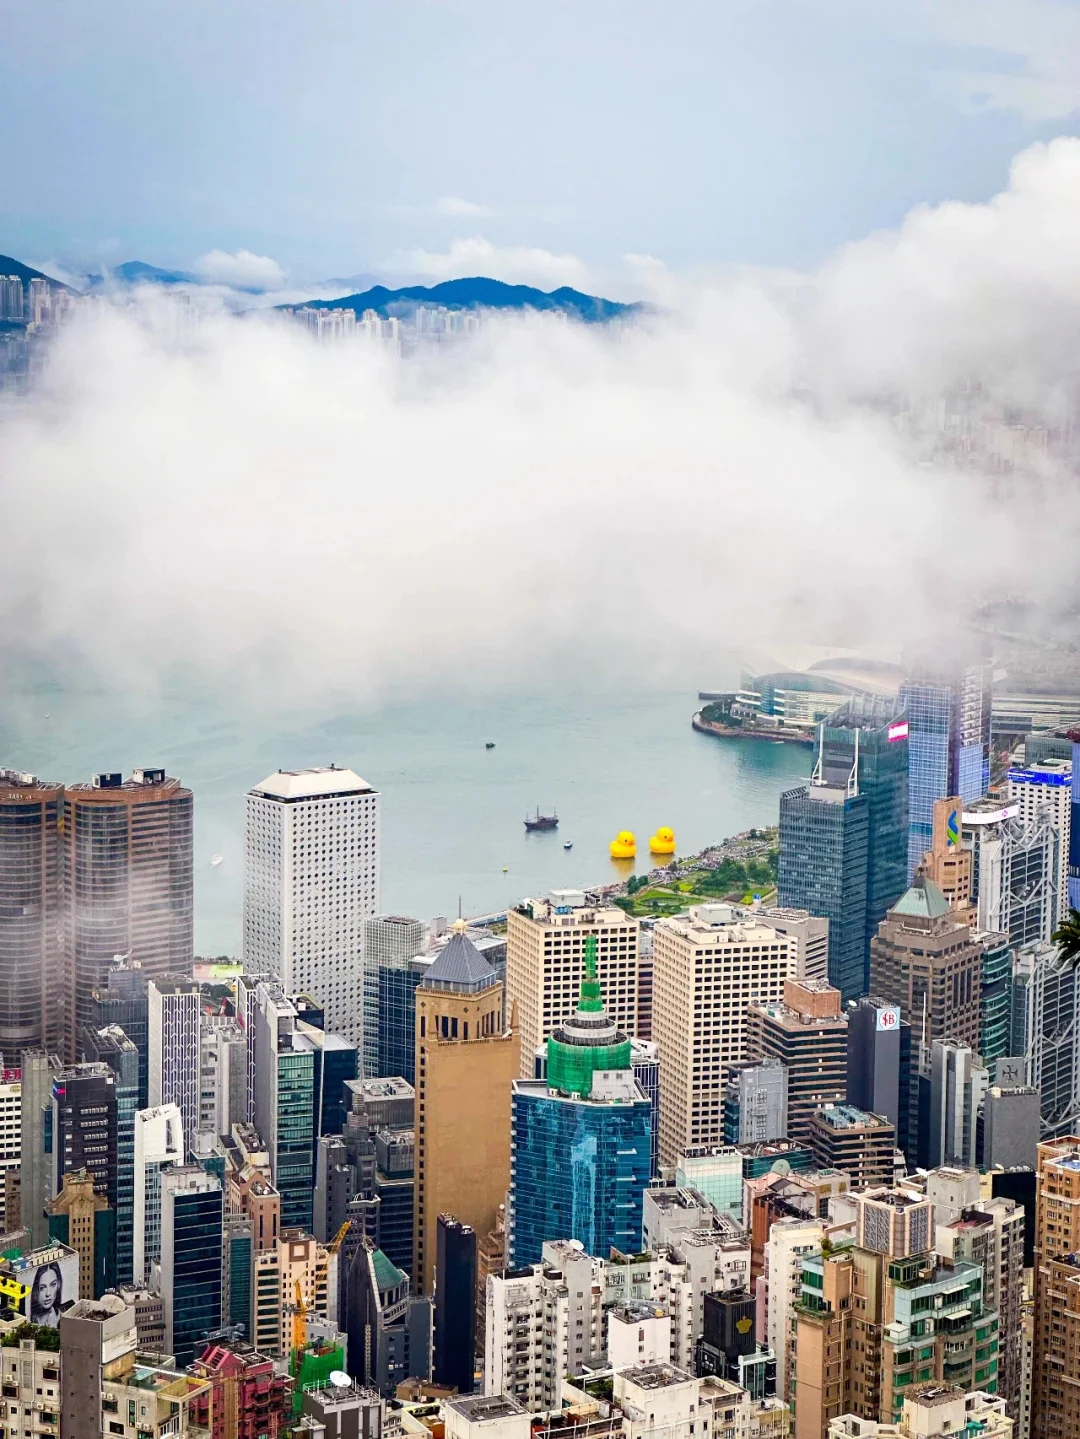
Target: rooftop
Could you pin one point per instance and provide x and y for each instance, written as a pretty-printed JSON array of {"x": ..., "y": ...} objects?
[
  {"x": 655, "y": 1376},
  {"x": 922, "y": 901},
  {"x": 847, "y": 1116},
  {"x": 460, "y": 967},
  {"x": 291, "y": 784},
  {"x": 478, "y": 1407}
]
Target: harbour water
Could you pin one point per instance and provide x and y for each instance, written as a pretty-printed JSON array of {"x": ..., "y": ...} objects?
[{"x": 453, "y": 811}]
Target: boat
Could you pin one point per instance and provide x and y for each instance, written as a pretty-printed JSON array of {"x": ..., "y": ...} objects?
[
  {"x": 569, "y": 844},
  {"x": 541, "y": 821},
  {"x": 506, "y": 869},
  {"x": 216, "y": 859},
  {"x": 489, "y": 744}
]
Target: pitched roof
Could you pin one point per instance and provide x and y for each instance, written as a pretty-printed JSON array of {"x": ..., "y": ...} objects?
[
  {"x": 923, "y": 900},
  {"x": 387, "y": 1274},
  {"x": 311, "y": 783},
  {"x": 459, "y": 966}
]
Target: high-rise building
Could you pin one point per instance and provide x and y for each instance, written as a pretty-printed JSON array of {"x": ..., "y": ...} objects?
[
  {"x": 1042, "y": 788},
  {"x": 12, "y": 299},
  {"x": 453, "y": 1359},
  {"x": 879, "y": 1064},
  {"x": 391, "y": 942},
  {"x": 191, "y": 1258},
  {"x": 113, "y": 1047},
  {"x": 1016, "y": 866},
  {"x": 995, "y": 996},
  {"x": 10, "y": 1141},
  {"x": 248, "y": 1400},
  {"x": 123, "y": 1002},
  {"x": 311, "y": 879},
  {"x": 1055, "y": 1370},
  {"x": 1010, "y": 1126},
  {"x": 545, "y": 951},
  {"x": 933, "y": 1409},
  {"x": 1046, "y": 1029},
  {"x": 755, "y": 1104},
  {"x": 958, "y": 1084},
  {"x": 948, "y": 861},
  {"x": 861, "y": 1144},
  {"x": 128, "y": 881},
  {"x": 809, "y": 934},
  {"x": 947, "y": 701},
  {"x": 824, "y": 867},
  {"x": 84, "y": 1126},
  {"x": 580, "y": 1138},
  {"x": 334, "y": 1061},
  {"x": 37, "y": 1168},
  {"x": 83, "y": 1221},
  {"x": 285, "y": 1102},
  {"x": 222, "y": 1074},
  {"x": 389, "y": 1328},
  {"x": 173, "y": 1070},
  {"x": 32, "y": 990},
  {"x": 466, "y": 1058},
  {"x": 709, "y": 966},
  {"x": 30, "y": 1374},
  {"x": 1074, "y": 822},
  {"x": 158, "y": 1145},
  {"x": 807, "y": 1033},
  {"x": 790, "y": 1240}
]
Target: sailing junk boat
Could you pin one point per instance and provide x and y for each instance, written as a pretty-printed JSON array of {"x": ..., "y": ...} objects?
[{"x": 541, "y": 821}]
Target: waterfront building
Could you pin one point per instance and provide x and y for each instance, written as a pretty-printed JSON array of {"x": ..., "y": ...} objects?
[
  {"x": 173, "y": 1026},
  {"x": 807, "y": 1033},
  {"x": 466, "y": 1058},
  {"x": 285, "y": 1102},
  {"x": 545, "y": 952},
  {"x": 580, "y": 1138},
  {"x": 311, "y": 879},
  {"x": 1042, "y": 788},
  {"x": 391, "y": 942},
  {"x": 128, "y": 881},
  {"x": 756, "y": 1102},
  {"x": 861, "y": 1144},
  {"x": 32, "y": 991},
  {"x": 824, "y": 867},
  {"x": 947, "y": 701},
  {"x": 454, "y": 1344},
  {"x": 192, "y": 1221},
  {"x": 1055, "y": 1370},
  {"x": 158, "y": 1144},
  {"x": 709, "y": 965},
  {"x": 1016, "y": 866},
  {"x": 809, "y": 933}
]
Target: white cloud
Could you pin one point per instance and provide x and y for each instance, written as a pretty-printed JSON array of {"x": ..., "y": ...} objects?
[
  {"x": 516, "y": 264},
  {"x": 458, "y": 209},
  {"x": 241, "y": 270}
]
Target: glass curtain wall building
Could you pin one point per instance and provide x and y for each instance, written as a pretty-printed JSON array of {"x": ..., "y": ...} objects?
[
  {"x": 581, "y": 1140},
  {"x": 191, "y": 1258}
]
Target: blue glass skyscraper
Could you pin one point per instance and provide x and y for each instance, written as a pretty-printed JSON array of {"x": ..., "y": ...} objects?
[
  {"x": 581, "y": 1139},
  {"x": 192, "y": 1219},
  {"x": 1074, "y": 824}
]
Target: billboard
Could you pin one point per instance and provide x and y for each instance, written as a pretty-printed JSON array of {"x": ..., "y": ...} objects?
[
  {"x": 888, "y": 1018},
  {"x": 897, "y": 730},
  {"x": 51, "y": 1279}
]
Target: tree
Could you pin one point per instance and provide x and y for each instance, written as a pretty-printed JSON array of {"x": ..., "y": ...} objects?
[{"x": 1067, "y": 939}]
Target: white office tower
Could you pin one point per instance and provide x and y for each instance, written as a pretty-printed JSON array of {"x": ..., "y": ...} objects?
[
  {"x": 173, "y": 1010},
  {"x": 311, "y": 879},
  {"x": 1047, "y": 787},
  {"x": 1046, "y": 1029},
  {"x": 159, "y": 1143},
  {"x": 1015, "y": 869}
]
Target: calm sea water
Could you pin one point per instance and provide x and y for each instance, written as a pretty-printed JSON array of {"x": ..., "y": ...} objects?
[{"x": 452, "y": 811}]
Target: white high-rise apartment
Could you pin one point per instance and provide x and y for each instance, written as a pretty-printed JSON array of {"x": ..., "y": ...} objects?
[
  {"x": 788, "y": 1241},
  {"x": 159, "y": 1143},
  {"x": 708, "y": 966},
  {"x": 1048, "y": 785},
  {"x": 545, "y": 964},
  {"x": 311, "y": 879}
]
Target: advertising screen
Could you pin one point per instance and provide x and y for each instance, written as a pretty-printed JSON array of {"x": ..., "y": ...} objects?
[{"x": 51, "y": 1277}]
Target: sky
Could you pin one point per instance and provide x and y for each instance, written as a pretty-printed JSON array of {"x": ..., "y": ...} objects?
[{"x": 544, "y": 141}]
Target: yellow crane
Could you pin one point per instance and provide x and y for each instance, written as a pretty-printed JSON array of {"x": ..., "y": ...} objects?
[{"x": 301, "y": 1310}]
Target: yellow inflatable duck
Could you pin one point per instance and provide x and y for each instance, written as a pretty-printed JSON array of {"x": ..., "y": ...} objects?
[
  {"x": 624, "y": 845},
  {"x": 663, "y": 841}
]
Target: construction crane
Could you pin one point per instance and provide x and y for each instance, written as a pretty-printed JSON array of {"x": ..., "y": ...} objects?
[
  {"x": 323, "y": 1266},
  {"x": 299, "y": 1309},
  {"x": 299, "y": 1319}
]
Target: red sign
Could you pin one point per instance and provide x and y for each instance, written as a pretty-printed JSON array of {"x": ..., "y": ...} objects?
[{"x": 899, "y": 730}]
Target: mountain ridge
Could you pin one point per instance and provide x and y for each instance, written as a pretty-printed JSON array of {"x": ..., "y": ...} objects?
[
  {"x": 479, "y": 292},
  {"x": 10, "y": 266}
]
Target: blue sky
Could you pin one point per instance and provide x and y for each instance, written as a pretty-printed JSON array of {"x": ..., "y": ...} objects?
[{"x": 339, "y": 136}]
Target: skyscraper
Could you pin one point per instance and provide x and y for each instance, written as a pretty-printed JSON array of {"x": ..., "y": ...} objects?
[
  {"x": 1037, "y": 789},
  {"x": 285, "y": 1102},
  {"x": 159, "y": 1144},
  {"x": 580, "y": 1140},
  {"x": 1074, "y": 823},
  {"x": 879, "y": 1064},
  {"x": 128, "y": 881},
  {"x": 454, "y": 1348},
  {"x": 311, "y": 879},
  {"x": 123, "y": 1002},
  {"x": 824, "y": 867},
  {"x": 807, "y": 1033},
  {"x": 32, "y": 997},
  {"x": 466, "y": 1057},
  {"x": 391, "y": 942},
  {"x": 947, "y": 700},
  {"x": 114, "y": 1048},
  {"x": 1015, "y": 869},
  {"x": 192, "y": 1218},
  {"x": 173, "y": 1008},
  {"x": 1055, "y": 1370}
]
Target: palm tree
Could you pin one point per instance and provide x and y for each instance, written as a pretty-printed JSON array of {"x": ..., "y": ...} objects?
[{"x": 1067, "y": 939}]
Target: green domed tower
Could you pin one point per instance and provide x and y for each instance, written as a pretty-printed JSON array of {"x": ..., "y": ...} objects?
[{"x": 588, "y": 1041}]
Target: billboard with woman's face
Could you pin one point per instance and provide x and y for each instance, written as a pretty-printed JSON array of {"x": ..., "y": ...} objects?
[{"x": 51, "y": 1278}]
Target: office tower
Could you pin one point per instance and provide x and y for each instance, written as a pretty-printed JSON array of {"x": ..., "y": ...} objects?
[
  {"x": 83, "y": 1221},
  {"x": 1074, "y": 821},
  {"x": 128, "y": 881},
  {"x": 389, "y": 1328},
  {"x": 123, "y": 1003},
  {"x": 238, "y": 1273},
  {"x": 84, "y": 1126},
  {"x": 466, "y": 1058},
  {"x": 925, "y": 960},
  {"x": 995, "y": 996},
  {"x": 32, "y": 996},
  {"x": 11, "y": 294},
  {"x": 1055, "y": 1370},
  {"x": 879, "y": 1063},
  {"x": 790, "y": 1239},
  {"x": 958, "y": 1083},
  {"x": 112, "y": 1047},
  {"x": 755, "y": 1104},
  {"x": 580, "y": 1138},
  {"x": 727, "y": 1334},
  {"x": 709, "y": 965},
  {"x": 861, "y": 1144},
  {"x": 191, "y": 1258},
  {"x": 10, "y": 1140},
  {"x": 1041, "y": 789},
  {"x": 37, "y": 1167},
  {"x": 1015, "y": 870},
  {"x": 947, "y": 701},
  {"x": 645, "y": 1062},
  {"x": 453, "y": 1359},
  {"x": 809, "y": 934},
  {"x": 391, "y": 941},
  {"x": 807, "y": 1033},
  {"x": 334, "y": 1060},
  {"x": 991, "y": 1234},
  {"x": 1010, "y": 1126},
  {"x": 311, "y": 878},
  {"x": 824, "y": 867},
  {"x": 158, "y": 1144},
  {"x": 1046, "y": 1029},
  {"x": 222, "y": 1074},
  {"x": 285, "y": 1102},
  {"x": 173, "y": 1011},
  {"x": 39, "y": 302},
  {"x": 545, "y": 951},
  {"x": 948, "y": 861}
]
